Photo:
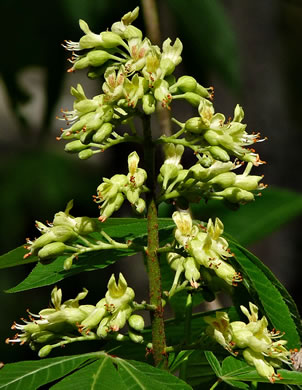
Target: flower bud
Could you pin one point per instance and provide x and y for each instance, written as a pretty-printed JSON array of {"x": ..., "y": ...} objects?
[
  {"x": 219, "y": 154},
  {"x": 75, "y": 146},
  {"x": 195, "y": 125},
  {"x": 44, "y": 351},
  {"x": 224, "y": 180},
  {"x": 68, "y": 263},
  {"x": 235, "y": 195},
  {"x": 102, "y": 133},
  {"x": 135, "y": 337},
  {"x": 192, "y": 98},
  {"x": 85, "y": 154},
  {"x": 98, "y": 57},
  {"x": 185, "y": 84},
  {"x": 136, "y": 322},
  {"x": 111, "y": 40},
  {"x": 51, "y": 250},
  {"x": 212, "y": 137},
  {"x": 247, "y": 182},
  {"x": 81, "y": 63},
  {"x": 204, "y": 92}
]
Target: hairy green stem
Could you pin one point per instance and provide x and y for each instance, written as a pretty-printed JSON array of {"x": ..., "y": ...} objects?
[
  {"x": 188, "y": 318},
  {"x": 155, "y": 291}
]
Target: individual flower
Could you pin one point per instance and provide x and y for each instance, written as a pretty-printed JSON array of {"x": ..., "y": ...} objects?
[
  {"x": 109, "y": 194},
  {"x": 171, "y": 166},
  {"x": 135, "y": 183},
  {"x": 90, "y": 40},
  {"x": 171, "y": 56}
]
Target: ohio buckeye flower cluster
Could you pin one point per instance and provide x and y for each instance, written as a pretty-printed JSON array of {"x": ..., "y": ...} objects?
[
  {"x": 260, "y": 347},
  {"x": 70, "y": 321},
  {"x": 136, "y": 78}
]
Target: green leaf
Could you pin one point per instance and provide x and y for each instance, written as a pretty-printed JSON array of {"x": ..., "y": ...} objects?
[
  {"x": 258, "y": 279},
  {"x": 100, "y": 374},
  {"x": 93, "y": 371},
  {"x": 15, "y": 257},
  {"x": 234, "y": 369},
  {"x": 45, "y": 275},
  {"x": 214, "y": 362},
  {"x": 31, "y": 374},
  {"x": 272, "y": 210},
  {"x": 138, "y": 375},
  {"x": 117, "y": 228}
]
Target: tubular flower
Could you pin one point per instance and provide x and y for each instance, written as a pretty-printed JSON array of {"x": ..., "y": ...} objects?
[
  {"x": 109, "y": 193},
  {"x": 259, "y": 345},
  {"x": 135, "y": 183},
  {"x": 171, "y": 167}
]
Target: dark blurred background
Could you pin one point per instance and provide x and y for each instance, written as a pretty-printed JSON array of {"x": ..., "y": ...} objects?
[{"x": 249, "y": 51}]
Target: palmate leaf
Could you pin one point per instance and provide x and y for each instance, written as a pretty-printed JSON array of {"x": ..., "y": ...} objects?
[
  {"x": 279, "y": 307},
  {"x": 117, "y": 228},
  {"x": 234, "y": 371},
  {"x": 93, "y": 371}
]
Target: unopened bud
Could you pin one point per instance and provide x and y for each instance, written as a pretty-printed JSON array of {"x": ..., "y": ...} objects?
[
  {"x": 192, "y": 98},
  {"x": 195, "y": 125},
  {"x": 224, "y": 180},
  {"x": 102, "y": 133},
  {"x": 212, "y": 137},
  {"x": 98, "y": 57},
  {"x": 135, "y": 337},
  {"x": 136, "y": 322},
  {"x": 185, "y": 84},
  {"x": 75, "y": 146},
  {"x": 51, "y": 250},
  {"x": 219, "y": 154},
  {"x": 44, "y": 351},
  {"x": 85, "y": 154},
  {"x": 68, "y": 263}
]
